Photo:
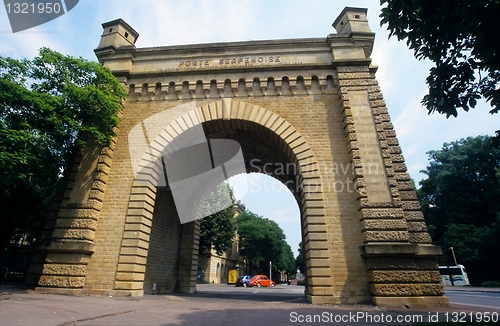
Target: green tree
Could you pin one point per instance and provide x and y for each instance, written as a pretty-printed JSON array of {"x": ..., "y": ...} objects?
[
  {"x": 460, "y": 201},
  {"x": 217, "y": 230},
  {"x": 462, "y": 185},
  {"x": 261, "y": 240},
  {"x": 49, "y": 107},
  {"x": 286, "y": 260},
  {"x": 466, "y": 240},
  {"x": 459, "y": 38}
]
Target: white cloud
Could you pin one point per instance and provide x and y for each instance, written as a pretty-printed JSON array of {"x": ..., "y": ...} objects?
[{"x": 27, "y": 43}]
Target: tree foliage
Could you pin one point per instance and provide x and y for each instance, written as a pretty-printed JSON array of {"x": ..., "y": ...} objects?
[
  {"x": 460, "y": 201},
  {"x": 217, "y": 230},
  {"x": 459, "y": 38},
  {"x": 262, "y": 240},
  {"x": 286, "y": 260},
  {"x": 49, "y": 106}
]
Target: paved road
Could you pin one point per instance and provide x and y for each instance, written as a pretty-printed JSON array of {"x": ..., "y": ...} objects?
[
  {"x": 474, "y": 297},
  {"x": 212, "y": 305}
]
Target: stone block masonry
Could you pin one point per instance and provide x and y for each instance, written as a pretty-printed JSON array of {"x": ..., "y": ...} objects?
[{"x": 313, "y": 106}]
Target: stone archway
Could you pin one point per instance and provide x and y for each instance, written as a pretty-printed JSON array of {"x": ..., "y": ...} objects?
[{"x": 311, "y": 103}]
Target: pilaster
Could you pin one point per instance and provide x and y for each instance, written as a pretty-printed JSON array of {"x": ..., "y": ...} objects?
[
  {"x": 72, "y": 230},
  {"x": 401, "y": 262},
  {"x": 188, "y": 258}
]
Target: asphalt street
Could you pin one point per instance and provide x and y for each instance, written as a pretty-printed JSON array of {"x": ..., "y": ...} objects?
[
  {"x": 474, "y": 297},
  {"x": 225, "y": 305}
]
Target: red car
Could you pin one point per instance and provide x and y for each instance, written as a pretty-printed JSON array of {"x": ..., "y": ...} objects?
[{"x": 260, "y": 280}]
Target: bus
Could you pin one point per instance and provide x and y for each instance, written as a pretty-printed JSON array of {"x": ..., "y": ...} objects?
[{"x": 458, "y": 273}]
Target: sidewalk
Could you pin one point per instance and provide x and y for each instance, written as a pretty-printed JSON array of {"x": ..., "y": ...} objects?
[{"x": 22, "y": 306}]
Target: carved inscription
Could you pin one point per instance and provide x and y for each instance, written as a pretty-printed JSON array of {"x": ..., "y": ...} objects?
[
  {"x": 250, "y": 60},
  {"x": 241, "y": 61},
  {"x": 228, "y": 62},
  {"x": 371, "y": 155}
]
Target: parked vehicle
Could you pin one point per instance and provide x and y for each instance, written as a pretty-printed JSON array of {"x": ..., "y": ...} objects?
[
  {"x": 260, "y": 280},
  {"x": 243, "y": 280},
  {"x": 458, "y": 274}
]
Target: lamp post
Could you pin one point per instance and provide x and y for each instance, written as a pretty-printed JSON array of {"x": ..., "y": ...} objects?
[{"x": 453, "y": 256}]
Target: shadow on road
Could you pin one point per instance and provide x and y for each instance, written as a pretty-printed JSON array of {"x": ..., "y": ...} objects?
[{"x": 278, "y": 294}]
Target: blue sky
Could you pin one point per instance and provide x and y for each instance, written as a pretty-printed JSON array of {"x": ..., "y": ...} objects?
[{"x": 169, "y": 22}]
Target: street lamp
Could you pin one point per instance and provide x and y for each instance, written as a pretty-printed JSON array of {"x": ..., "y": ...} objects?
[{"x": 270, "y": 266}]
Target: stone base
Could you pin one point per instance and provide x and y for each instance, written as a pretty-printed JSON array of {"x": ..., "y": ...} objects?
[
  {"x": 328, "y": 299},
  {"x": 187, "y": 289},
  {"x": 412, "y": 302},
  {"x": 322, "y": 299},
  {"x": 65, "y": 291},
  {"x": 80, "y": 292}
]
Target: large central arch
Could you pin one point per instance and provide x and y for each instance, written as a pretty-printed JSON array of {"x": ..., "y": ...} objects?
[{"x": 266, "y": 138}]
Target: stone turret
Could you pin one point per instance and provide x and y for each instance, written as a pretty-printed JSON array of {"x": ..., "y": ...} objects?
[
  {"x": 117, "y": 33},
  {"x": 352, "y": 29},
  {"x": 352, "y": 20}
]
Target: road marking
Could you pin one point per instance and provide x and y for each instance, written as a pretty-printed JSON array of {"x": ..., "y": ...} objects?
[{"x": 474, "y": 295}]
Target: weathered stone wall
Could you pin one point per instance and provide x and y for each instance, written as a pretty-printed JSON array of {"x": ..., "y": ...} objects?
[
  {"x": 163, "y": 252},
  {"x": 102, "y": 267}
]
